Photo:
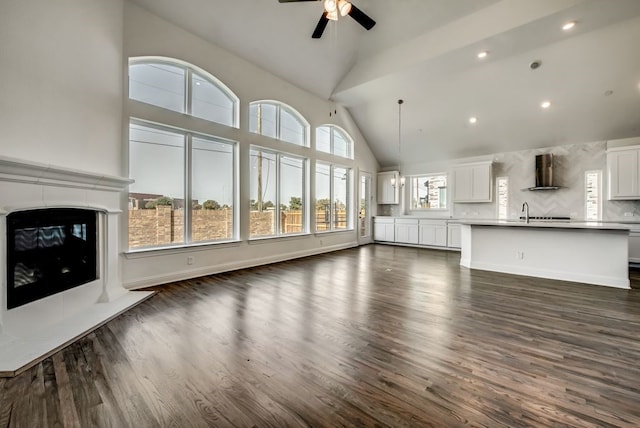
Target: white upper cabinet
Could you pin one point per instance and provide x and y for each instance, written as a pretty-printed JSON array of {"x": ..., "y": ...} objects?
[
  {"x": 623, "y": 168},
  {"x": 473, "y": 182},
  {"x": 388, "y": 183}
]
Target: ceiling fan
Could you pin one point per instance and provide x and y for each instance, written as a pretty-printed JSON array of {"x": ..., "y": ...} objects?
[{"x": 331, "y": 10}]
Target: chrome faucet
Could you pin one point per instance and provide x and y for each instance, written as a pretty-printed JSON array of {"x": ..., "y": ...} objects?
[{"x": 525, "y": 210}]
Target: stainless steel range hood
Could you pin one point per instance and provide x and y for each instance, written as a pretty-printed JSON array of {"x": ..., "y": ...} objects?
[{"x": 544, "y": 173}]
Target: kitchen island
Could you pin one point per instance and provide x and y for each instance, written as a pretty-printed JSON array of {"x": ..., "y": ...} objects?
[{"x": 592, "y": 253}]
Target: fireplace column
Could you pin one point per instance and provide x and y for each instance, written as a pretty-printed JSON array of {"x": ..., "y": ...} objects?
[{"x": 109, "y": 267}]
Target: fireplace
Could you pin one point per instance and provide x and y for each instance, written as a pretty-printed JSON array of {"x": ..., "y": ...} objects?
[
  {"x": 49, "y": 251},
  {"x": 59, "y": 258}
]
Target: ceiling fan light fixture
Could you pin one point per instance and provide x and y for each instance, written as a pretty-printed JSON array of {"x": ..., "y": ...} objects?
[
  {"x": 330, "y": 6},
  {"x": 333, "y": 16},
  {"x": 344, "y": 7}
]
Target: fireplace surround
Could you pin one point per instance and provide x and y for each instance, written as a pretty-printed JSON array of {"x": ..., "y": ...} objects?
[{"x": 87, "y": 292}]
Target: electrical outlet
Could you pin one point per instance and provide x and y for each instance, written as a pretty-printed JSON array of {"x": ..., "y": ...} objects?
[
  {"x": 628, "y": 214},
  {"x": 190, "y": 260}
]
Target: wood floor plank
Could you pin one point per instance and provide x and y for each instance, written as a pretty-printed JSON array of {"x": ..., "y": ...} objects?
[{"x": 371, "y": 336}]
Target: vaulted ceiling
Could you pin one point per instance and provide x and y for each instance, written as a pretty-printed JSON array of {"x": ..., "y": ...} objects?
[{"x": 425, "y": 53}]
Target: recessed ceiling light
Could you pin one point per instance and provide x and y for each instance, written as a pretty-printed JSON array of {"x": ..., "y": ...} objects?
[
  {"x": 569, "y": 25},
  {"x": 483, "y": 54},
  {"x": 545, "y": 104},
  {"x": 473, "y": 120}
]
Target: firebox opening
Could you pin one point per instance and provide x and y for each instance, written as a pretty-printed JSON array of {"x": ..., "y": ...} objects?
[{"x": 49, "y": 251}]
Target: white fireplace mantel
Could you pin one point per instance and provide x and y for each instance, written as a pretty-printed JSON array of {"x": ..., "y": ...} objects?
[{"x": 33, "y": 331}]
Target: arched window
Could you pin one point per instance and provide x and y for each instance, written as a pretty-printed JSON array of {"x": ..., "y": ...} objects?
[
  {"x": 182, "y": 87},
  {"x": 333, "y": 139},
  {"x": 280, "y": 121}
]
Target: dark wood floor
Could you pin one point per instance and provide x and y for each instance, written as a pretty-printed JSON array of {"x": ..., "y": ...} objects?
[{"x": 371, "y": 336}]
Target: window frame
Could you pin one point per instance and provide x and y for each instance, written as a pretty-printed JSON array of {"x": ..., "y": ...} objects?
[
  {"x": 189, "y": 69},
  {"x": 332, "y": 130},
  {"x": 277, "y": 227},
  {"x": 278, "y": 125},
  {"x": 412, "y": 178},
  {"x": 348, "y": 198},
  {"x": 187, "y": 166}
]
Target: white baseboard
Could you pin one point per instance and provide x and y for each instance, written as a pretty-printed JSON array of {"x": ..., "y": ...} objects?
[
  {"x": 150, "y": 281},
  {"x": 550, "y": 274}
]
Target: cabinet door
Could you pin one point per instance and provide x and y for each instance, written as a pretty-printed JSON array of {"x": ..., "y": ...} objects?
[
  {"x": 473, "y": 182},
  {"x": 433, "y": 234},
  {"x": 481, "y": 183},
  {"x": 623, "y": 174},
  {"x": 440, "y": 236},
  {"x": 406, "y": 232},
  {"x": 384, "y": 230},
  {"x": 388, "y": 187},
  {"x": 462, "y": 181},
  {"x": 453, "y": 236},
  {"x": 427, "y": 234}
]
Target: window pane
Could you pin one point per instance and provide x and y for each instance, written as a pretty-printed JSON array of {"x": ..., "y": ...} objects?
[
  {"x": 263, "y": 119},
  {"x": 156, "y": 199},
  {"x": 593, "y": 205},
  {"x": 263, "y": 193},
  {"x": 323, "y": 197},
  {"x": 419, "y": 193},
  {"x": 210, "y": 102},
  {"x": 341, "y": 145},
  {"x": 503, "y": 197},
  {"x": 429, "y": 192},
  {"x": 159, "y": 84},
  {"x": 292, "y": 195},
  {"x": 253, "y": 118},
  {"x": 323, "y": 139},
  {"x": 291, "y": 129},
  {"x": 212, "y": 190},
  {"x": 340, "y": 195}
]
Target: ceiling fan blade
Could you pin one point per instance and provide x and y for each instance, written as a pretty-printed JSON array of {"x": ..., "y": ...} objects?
[
  {"x": 361, "y": 18},
  {"x": 322, "y": 24}
]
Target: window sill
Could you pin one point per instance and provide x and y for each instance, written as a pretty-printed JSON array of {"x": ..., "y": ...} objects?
[
  {"x": 178, "y": 249},
  {"x": 264, "y": 239},
  {"x": 325, "y": 232}
]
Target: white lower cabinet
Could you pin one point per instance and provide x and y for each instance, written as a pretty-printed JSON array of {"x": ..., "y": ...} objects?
[
  {"x": 414, "y": 231},
  {"x": 453, "y": 235},
  {"x": 433, "y": 233},
  {"x": 384, "y": 229},
  {"x": 407, "y": 231}
]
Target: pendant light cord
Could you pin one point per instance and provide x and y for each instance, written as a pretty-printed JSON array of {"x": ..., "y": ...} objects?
[{"x": 399, "y": 123}]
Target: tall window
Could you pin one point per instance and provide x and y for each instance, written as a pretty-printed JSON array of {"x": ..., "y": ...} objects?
[
  {"x": 278, "y": 194},
  {"x": 428, "y": 192},
  {"x": 502, "y": 184},
  {"x": 333, "y": 197},
  {"x": 184, "y": 189},
  {"x": 593, "y": 195},
  {"x": 279, "y": 121},
  {"x": 181, "y": 87},
  {"x": 334, "y": 140}
]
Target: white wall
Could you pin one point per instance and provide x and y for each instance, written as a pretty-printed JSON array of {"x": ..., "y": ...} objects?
[
  {"x": 148, "y": 35},
  {"x": 61, "y": 82}
]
